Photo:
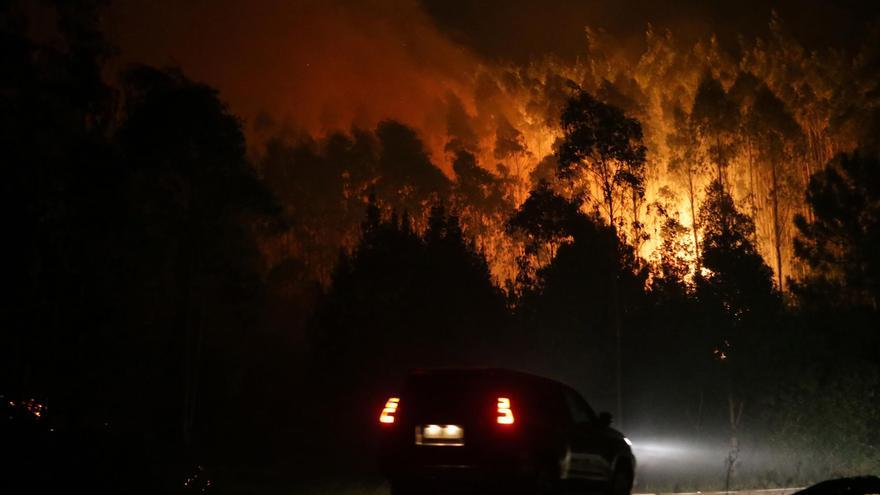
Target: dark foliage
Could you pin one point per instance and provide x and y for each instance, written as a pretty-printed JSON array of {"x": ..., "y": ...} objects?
[
  {"x": 430, "y": 293},
  {"x": 739, "y": 282},
  {"x": 136, "y": 274},
  {"x": 840, "y": 242},
  {"x": 600, "y": 140},
  {"x": 572, "y": 306}
]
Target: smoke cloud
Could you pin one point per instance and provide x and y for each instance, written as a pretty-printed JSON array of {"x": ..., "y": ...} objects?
[{"x": 311, "y": 66}]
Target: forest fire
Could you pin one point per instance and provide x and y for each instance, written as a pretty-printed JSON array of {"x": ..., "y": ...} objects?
[
  {"x": 237, "y": 227},
  {"x": 763, "y": 115}
]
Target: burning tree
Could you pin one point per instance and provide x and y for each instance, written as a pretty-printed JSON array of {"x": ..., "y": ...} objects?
[
  {"x": 715, "y": 118},
  {"x": 777, "y": 136},
  {"x": 602, "y": 142}
]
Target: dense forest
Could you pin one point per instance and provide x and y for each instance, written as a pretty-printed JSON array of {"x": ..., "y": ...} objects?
[{"x": 698, "y": 257}]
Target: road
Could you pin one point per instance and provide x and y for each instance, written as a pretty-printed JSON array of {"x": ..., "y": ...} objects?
[{"x": 769, "y": 491}]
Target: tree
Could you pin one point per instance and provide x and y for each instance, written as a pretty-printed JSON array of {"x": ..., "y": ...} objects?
[
  {"x": 135, "y": 266},
  {"x": 742, "y": 93},
  {"x": 407, "y": 179},
  {"x": 776, "y": 135},
  {"x": 672, "y": 265},
  {"x": 320, "y": 186},
  {"x": 738, "y": 298},
  {"x": 738, "y": 282},
  {"x": 685, "y": 166},
  {"x": 603, "y": 142},
  {"x": 840, "y": 243},
  {"x": 510, "y": 145},
  {"x": 478, "y": 195},
  {"x": 194, "y": 199},
  {"x": 715, "y": 119},
  {"x": 570, "y": 310},
  {"x": 545, "y": 220},
  {"x": 62, "y": 205}
]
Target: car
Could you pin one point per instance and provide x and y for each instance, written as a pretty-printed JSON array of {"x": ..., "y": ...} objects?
[{"x": 499, "y": 427}]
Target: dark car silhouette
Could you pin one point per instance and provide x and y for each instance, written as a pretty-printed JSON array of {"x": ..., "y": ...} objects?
[
  {"x": 859, "y": 485},
  {"x": 499, "y": 426}
]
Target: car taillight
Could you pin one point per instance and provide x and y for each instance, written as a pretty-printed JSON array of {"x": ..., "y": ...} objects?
[
  {"x": 389, "y": 411},
  {"x": 505, "y": 413}
]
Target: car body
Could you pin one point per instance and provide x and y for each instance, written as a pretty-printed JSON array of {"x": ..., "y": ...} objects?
[
  {"x": 495, "y": 425},
  {"x": 859, "y": 485}
]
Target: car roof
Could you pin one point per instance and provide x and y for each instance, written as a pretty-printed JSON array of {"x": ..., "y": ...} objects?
[{"x": 500, "y": 373}]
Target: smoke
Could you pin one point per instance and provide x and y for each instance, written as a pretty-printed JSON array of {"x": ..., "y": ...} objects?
[{"x": 310, "y": 66}]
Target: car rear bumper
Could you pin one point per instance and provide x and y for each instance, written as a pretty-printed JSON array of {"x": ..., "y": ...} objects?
[{"x": 442, "y": 463}]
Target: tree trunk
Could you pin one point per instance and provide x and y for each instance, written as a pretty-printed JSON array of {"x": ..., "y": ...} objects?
[
  {"x": 735, "y": 410},
  {"x": 718, "y": 164},
  {"x": 777, "y": 242},
  {"x": 637, "y": 226},
  {"x": 754, "y": 205},
  {"x": 694, "y": 224},
  {"x": 615, "y": 289}
]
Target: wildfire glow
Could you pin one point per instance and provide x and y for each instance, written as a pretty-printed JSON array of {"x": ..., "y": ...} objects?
[{"x": 337, "y": 77}]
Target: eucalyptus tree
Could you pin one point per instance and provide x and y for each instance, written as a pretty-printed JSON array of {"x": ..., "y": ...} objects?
[
  {"x": 600, "y": 141},
  {"x": 777, "y": 136}
]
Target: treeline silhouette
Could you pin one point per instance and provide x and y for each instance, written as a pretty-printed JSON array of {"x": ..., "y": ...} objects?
[{"x": 153, "y": 316}]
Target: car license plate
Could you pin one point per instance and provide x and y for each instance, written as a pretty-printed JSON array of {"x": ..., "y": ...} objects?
[{"x": 440, "y": 435}]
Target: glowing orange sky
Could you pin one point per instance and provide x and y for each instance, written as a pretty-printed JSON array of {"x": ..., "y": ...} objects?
[{"x": 313, "y": 66}]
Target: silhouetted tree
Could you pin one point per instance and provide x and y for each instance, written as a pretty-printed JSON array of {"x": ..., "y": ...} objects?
[
  {"x": 194, "y": 199},
  {"x": 544, "y": 221},
  {"x": 673, "y": 255},
  {"x": 840, "y": 243},
  {"x": 742, "y": 93},
  {"x": 510, "y": 146},
  {"x": 738, "y": 282},
  {"x": 61, "y": 204},
  {"x": 323, "y": 184},
  {"x": 407, "y": 180},
  {"x": 598, "y": 139},
  {"x": 566, "y": 300},
  {"x": 715, "y": 118},
  {"x": 686, "y": 166},
  {"x": 478, "y": 195},
  {"x": 775, "y": 135},
  {"x": 320, "y": 186},
  {"x": 738, "y": 297},
  {"x": 136, "y": 273}
]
